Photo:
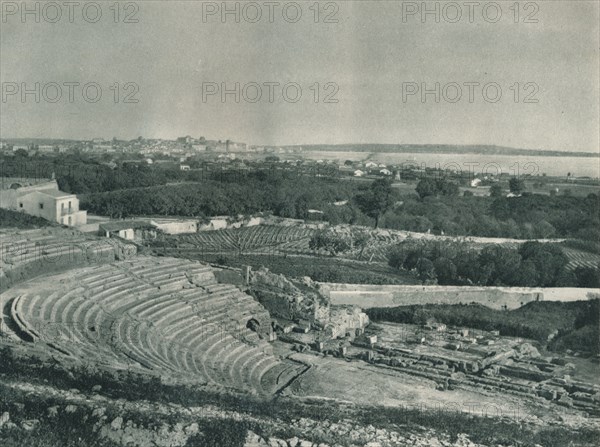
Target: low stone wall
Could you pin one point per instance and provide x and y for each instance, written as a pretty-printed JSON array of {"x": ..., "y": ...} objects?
[
  {"x": 367, "y": 296},
  {"x": 176, "y": 226}
]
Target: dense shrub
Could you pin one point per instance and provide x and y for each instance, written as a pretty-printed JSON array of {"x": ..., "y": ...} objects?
[
  {"x": 526, "y": 217},
  {"x": 533, "y": 264}
]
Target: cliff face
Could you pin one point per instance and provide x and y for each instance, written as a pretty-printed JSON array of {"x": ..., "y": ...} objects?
[
  {"x": 302, "y": 299},
  {"x": 290, "y": 299}
]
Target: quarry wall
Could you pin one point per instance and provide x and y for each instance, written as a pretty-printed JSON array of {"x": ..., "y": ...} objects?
[
  {"x": 286, "y": 299},
  {"x": 367, "y": 296}
]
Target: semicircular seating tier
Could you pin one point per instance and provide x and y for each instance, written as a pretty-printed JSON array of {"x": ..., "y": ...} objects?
[
  {"x": 28, "y": 253},
  {"x": 167, "y": 315}
]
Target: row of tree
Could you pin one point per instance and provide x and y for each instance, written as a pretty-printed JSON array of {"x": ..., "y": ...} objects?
[
  {"x": 336, "y": 242},
  {"x": 279, "y": 192},
  {"x": 526, "y": 217},
  {"x": 533, "y": 264}
]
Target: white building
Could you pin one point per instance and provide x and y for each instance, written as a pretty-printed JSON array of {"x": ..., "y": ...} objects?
[{"x": 47, "y": 201}]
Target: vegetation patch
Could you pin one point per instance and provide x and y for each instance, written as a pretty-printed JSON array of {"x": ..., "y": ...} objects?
[{"x": 532, "y": 264}]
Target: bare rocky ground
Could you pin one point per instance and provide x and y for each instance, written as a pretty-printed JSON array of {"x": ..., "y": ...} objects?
[{"x": 94, "y": 410}]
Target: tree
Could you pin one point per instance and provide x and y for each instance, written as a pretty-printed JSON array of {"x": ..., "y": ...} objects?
[
  {"x": 496, "y": 190},
  {"x": 422, "y": 316},
  {"x": 516, "y": 185},
  {"x": 426, "y": 270},
  {"x": 426, "y": 187},
  {"x": 360, "y": 240},
  {"x": 435, "y": 187},
  {"x": 467, "y": 266},
  {"x": 545, "y": 229},
  {"x": 445, "y": 187},
  {"x": 330, "y": 241},
  {"x": 499, "y": 264},
  {"x": 445, "y": 271},
  {"x": 378, "y": 199},
  {"x": 528, "y": 275},
  {"x": 396, "y": 257},
  {"x": 588, "y": 277},
  {"x": 412, "y": 259},
  {"x": 549, "y": 261},
  {"x": 302, "y": 206},
  {"x": 566, "y": 279}
]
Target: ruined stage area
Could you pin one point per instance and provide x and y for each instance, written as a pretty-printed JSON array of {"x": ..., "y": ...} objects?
[{"x": 412, "y": 368}]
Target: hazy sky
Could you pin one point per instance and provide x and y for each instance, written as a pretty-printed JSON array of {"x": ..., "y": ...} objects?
[{"x": 367, "y": 56}]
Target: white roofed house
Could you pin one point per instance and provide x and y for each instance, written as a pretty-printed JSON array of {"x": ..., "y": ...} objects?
[
  {"x": 128, "y": 229},
  {"x": 51, "y": 204},
  {"x": 385, "y": 172}
]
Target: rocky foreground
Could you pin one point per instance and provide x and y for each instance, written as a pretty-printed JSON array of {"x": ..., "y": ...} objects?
[{"x": 143, "y": 423}]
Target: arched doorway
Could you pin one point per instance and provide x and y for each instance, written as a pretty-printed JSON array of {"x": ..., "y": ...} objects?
[{"x": 253, "y": 325}]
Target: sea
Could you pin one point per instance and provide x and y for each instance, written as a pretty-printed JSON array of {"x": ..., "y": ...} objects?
[{"x": 519, "y": 165}]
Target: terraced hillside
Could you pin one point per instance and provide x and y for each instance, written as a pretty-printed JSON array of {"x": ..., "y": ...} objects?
[
  {"x": 579, "y": 258},
  {"x": 256, "y": 239},
  {"x": 164, "y": 315},
  {"x": 290, "y": 239},
  {"x": 272, "y": 240}
]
